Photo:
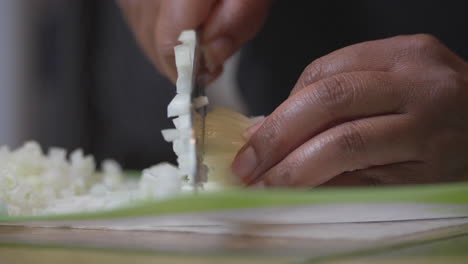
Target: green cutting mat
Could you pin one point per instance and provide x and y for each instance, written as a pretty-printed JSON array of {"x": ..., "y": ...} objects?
[{"x": 454, "y": 193}]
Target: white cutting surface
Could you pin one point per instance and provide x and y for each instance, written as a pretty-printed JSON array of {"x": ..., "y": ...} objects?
[{"x": 334, "y": 221}]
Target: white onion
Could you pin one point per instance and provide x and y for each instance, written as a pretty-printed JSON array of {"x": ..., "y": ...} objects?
[
  {"x": 99, "y": 190},
  {"x": 160, "y": 181},
  {"x": 188, "y": 37},
  {"x": 113, "y": 175},
  {"x": 182, "y": 123},
  {"x": 181, "y": 145},
  {"x": 180, "y": 105},
  {"x": 187, "y": 163},
  {"x": 183, "y": 57},
  {"x": 32, "y": 183},
  {"x": 224, "y": 128},
  {"x": 3, "y": 208},
  {"x": 184, "y": 85},
  {"x": 170, "y": 135},
  {"x": 200, "y": 101}
]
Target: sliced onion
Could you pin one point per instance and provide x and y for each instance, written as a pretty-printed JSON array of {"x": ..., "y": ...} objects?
[
  {"x": 187, "y": 164},
  {"x": 180, "y": 105},
  {"x": 184, "y": 65},
  {"x": 223, "y": 139},
  {"x": 161, "y": 181},
  {"x": 184, "y": 69},
  {"x": 181, "y": 145},
  {"x": 183, "y": 56},
  {"x": 170, "y": 135},
  {"x": 3, "y": 208},
  {"x": 182, "y": 123},
  {"x": 188, "y": 37},
  {"x": 200, "y": 101},
  {"x": 223, "y": 128}
]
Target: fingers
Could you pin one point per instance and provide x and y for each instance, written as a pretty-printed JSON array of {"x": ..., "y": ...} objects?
[
  {"x": 225, "y": 26},
  {"x": 232, "y": 23},
  {"x": 253, "y": 129},
  {"x": 315, "y": 109},
  {"x": 366, "y": 56},
  {"x": 352, "y": 146},
  {"x": 174, "y": 17}
]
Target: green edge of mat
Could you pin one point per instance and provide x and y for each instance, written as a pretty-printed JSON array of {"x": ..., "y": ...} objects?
[{"x": 454, "y": 193}]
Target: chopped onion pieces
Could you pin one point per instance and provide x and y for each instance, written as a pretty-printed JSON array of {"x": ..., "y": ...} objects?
[
  {"x": 200, "y": 101},
  {"x": 170, "y": 135},
  {"x": 180, "y": 105}
]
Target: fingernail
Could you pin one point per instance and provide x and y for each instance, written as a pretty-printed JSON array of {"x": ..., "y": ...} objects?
[
  {"x": 216, "y": 52},
  {"x": 245, "y": 163},
  {"x": 252, "y": 130}
]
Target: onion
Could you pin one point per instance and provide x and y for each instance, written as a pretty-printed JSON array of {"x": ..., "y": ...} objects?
[
  {"x": 3, "y": 208},
  {"x": 223, "y": 128},
  {"x": 160, "y": 181},
  {"x": 200, "y": 102},
  {"x": 33, "y": 183},
  {"x": 188, "y": 37},
  {"x": 180, "y": 105},
  {"x": 223, "y": 139},
  {"x": 184, "y": 68},
  {"x": 182, "y": 123},
  {"x": 170, "y": 135},
  {"x": 112, "y": 174}
]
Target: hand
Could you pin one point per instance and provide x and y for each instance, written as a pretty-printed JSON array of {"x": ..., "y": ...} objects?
[
  {"x": 391, "y": 111},
  {"x": 225, "y": 26}
]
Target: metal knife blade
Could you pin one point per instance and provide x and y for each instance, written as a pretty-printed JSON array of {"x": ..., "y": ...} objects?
[{"x": 198, "y": 115}]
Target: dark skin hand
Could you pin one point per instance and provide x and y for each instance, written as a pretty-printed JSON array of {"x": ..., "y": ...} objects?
[
  {"x": 391, "y": 111},
  {"x": 224, "y": 26}
]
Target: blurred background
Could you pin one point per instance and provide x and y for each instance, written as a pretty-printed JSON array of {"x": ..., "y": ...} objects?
[{"x": 72, "y": 75}]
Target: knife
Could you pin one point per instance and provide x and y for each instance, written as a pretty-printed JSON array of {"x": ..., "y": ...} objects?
[{"x": 198, "y": 115}]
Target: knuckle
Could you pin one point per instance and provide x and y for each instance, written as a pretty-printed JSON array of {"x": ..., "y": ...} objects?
[
  {"x": 452, "y": 84},
  {"x": 286, "y": 173},
  {"x": 457, "y": 81},
  {"x": 424, "y": 43},
  {"x": 352, "y": 139},
  {"x": 282, "y": 175},
  {"x": 448, "y": 88},
  {"x": 312, "y": 72},
  {"x": 336, "y": 91},
  {"x": 268, "y": 139}
]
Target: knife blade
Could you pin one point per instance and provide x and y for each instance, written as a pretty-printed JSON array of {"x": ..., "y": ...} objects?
[{"x": 198, "y": 114}]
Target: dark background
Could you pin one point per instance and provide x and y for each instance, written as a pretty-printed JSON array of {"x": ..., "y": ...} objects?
[{"x": 96, "y": 90}]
